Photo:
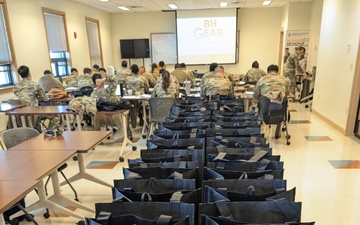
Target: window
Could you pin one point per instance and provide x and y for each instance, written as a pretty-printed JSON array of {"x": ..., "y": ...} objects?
[
  {"x": 57, "y": 42},
  {"x": 6, "y": 62},
  {"x": 92, "y": 27}
]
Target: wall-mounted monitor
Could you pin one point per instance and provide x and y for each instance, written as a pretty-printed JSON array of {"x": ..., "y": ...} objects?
[{"x": 134, "y": 48}]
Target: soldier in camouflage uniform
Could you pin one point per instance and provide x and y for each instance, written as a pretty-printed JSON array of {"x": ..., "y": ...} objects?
[
  {"x": 135, "y": 82},
  {"x": 86, "y": 79},
  {"x": 148, "y": 77},
  {"x": 218, "y": 84},
  {"x": 272, "y": 86},
  {"x": 182, "y": 75},
  {"x": 164, "y": 87},
  {"x": 292, "y": 64},
  {"x": 206, "y": 76},
  {"x": 30, "y": 93},
  {"x": 254, "y": 74},
  {"x": 81, "y": 105},
  {"x": 154, "y": 71},
  {"x": 72, "y": 79},
  {"x": 123, "y": 72}
]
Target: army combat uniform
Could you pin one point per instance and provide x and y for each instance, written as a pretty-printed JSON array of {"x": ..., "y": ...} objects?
[
  {"x": 217, "y": 85},
  {"x": 85, "y": 81},
  {"x": 172, "y": 90},
  {"x": 136, "y": 83},
  {"x": 254, "y": 74},
  {"x": 72, "y": 81},
  {"x": 291, "y": 65},
  {"x": 123, "y": 73}
]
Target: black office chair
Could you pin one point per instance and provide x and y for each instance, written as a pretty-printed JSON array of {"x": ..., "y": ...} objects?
[
  {"x": 275, "y": 114},
  {"x": 16, "y": 136},
  {"x": 86, "y": 91}
]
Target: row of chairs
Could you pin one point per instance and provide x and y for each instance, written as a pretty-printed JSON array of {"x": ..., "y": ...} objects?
[{"x": 198, "y": 173}]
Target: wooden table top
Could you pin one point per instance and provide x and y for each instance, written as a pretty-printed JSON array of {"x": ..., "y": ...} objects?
[
  {"x": 31, "y": 165},
  {"x": 13, "y": 191},
  {"x": 81, "y": 141},
  {"x": 39, "y": 110},
  {"x": 7, "y": 107}
]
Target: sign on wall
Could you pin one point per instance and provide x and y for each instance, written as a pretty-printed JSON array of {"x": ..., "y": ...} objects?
[{"x": 296, "y": 38}]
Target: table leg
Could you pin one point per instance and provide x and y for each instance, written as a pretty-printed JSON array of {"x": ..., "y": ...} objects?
[
  {"x": 23, "y": 121},
  {"x": 146, "y": 125},
  {"x": 2, "y": 220},
  {"x": 83, "y": 175},
  {"x": 13, "y": 119},
  {"x": 126, "y": 140},
  {"x": 58, "y": 197},
  {"x": 45, "y": 203},
  {"x": 78, "y": 122},
  {"x": 67, "y": 119},
  {"x": 29, "y": 118}
]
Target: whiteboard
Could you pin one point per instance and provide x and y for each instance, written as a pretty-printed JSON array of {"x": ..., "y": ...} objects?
[{"x": 163, "y": 48}]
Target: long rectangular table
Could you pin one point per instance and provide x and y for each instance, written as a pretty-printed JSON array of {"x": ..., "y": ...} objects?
[
  {"x": 80, "y": 141},
  {"x": 35, "y": 165}
]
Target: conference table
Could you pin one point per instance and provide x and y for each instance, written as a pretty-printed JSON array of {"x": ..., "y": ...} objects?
[
  {"x": 12, "y": 192},
  {"x": 42, "y": 110},
  {"x": 25, "y": 165},
  {"x": 79, "y": 141}
]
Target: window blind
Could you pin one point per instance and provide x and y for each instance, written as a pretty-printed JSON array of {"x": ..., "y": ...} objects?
[
  {"x": 55, "y": 29},
  {"x": 5, "y": 54},
  {"x": 94, "y": 42}
]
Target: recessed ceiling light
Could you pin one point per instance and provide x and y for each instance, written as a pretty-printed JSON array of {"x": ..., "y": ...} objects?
[
  {"x": 104, "y": 0},
  {"x": 266, "y": 3},
  {"x": 223, "y": 4},
  {"x": 172, "y": 6},
  {"x": 123, "y": 8}
]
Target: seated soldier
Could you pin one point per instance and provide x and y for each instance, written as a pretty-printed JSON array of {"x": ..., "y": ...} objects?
[
  {"x": 272, "y": 87},
  {"x": 217, "y": 84},
  {"x": 72, "y": 79},
  {"x": 255, "y": 73},
  {"x": 48, "y": 82},
  {"x": 85, "y": 80},
  {"x": 30, "y": 93},
  {"x": 182, "y": 75},
  {"x": 165, "y": 88}
]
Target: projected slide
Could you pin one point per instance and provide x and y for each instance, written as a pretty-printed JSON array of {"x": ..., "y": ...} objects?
[{"x": 205, "y": 37}]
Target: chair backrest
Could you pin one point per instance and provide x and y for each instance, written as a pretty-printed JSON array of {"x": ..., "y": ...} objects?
[
  {"x": 86, "y": 91},
  {"x": 160, "y": 108},
  {"x": 16, "y": 136}
]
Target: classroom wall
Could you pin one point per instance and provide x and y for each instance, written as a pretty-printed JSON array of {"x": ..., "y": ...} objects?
[
  {"x": 299, "y": 15},
  {"x": 29, "y": 35},
  {"x": 340, "y": 28},
  {"x": 315, "y": 25}
]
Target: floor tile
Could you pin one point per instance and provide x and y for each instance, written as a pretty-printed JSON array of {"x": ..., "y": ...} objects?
[
  {"x": 102, "y": 165},
  {"x": 318, "y": 138}
]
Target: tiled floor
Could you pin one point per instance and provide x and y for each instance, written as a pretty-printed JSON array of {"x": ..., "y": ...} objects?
[{"x": 321, "y": 163}]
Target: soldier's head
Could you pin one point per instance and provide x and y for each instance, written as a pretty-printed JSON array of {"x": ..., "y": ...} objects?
[
  {"x": 161, "y": 71},
  {"x": 134, "y": 68},
  {"x": 74, "y": 71},
  {"x": 273, "y": 69},
  {"x": 286, "y": 50},
  {"x": 177, "y": 66},
  {"x": 96, "y": 67},
  {"x": 95, "y": 77},
  {"x": 301, "y": 52},
  {"x": 142, "y": 70},
  {"x": 124, "y": 64},
  {"x": 255, "y": 64},
  {"x": 102, "y": 70},
  {"x": 161, "y": 64},
  {"x": 24, "y": 71},
  {"x": 219, "y": 71},
  {"x": 213, "y": 66},
  {"x": 47, "y": 72},
  {"x": 87, "y": 70},
  {"x": 183, "y": 66}
]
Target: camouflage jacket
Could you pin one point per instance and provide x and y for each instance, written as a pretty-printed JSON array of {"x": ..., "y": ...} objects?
[
  {"x": 292, "y": 64},
  {"x": 274, "y": 87},
  {"x": 136, "y": 83},
  {"x": 149, "y": 79},
  {"x": 172, "y": 90},
  {"x": 254, "y": 74},
  {"x": 217, "y": 85},
  {"x": 80, "y": 105},
  {"x": 72, "y": 81},
  {"x": 107, "y": 93},
  {"x": 85, "y": 81},
  {"x": 123, "y": 73},
  {"x": 29, "y": 92},
  {"x": 182, "y": 76}
]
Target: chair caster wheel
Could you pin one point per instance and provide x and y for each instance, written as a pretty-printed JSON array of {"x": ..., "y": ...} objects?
[
  {"x": 144, "y": 136},
  {"x": 288, "y": 137},
  {"x": 75, "y": 158},
  {"x": 134, "y": 148},
  {"x": 81, "y": 222},
  {"x": 131, "y": 138},
  {"x": 306, "y": 106},
  {"x": 46, "y": 215},
  {"x": 277, "y": 137},
  {"x": 288, "y": 143},
  {"x": 283, "y": 129},
  {"x": 121, "y": 159}
]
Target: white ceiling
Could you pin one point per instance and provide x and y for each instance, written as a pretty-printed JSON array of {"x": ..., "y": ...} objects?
[{"x": 159, "y": 5}]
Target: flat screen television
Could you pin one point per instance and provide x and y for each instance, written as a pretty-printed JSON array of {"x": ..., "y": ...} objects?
[{"x": 134, "y": 48}]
